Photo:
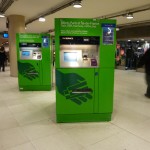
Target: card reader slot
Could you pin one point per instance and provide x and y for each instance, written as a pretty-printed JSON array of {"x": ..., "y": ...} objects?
[{"x": 76, "y": 91}]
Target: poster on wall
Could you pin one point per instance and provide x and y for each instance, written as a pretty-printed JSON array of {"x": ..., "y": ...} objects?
[{"x": 108, "y": 34}]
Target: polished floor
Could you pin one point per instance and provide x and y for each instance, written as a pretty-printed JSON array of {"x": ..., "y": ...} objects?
[{"x": 27, "y": 119}]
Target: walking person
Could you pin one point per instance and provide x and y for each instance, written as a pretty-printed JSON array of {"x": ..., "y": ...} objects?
[
  {"x": 145, "y": 61},
  {"x": 2, "y": 59}
]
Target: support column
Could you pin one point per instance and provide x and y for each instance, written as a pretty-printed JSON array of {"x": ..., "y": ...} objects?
[{"x": 16, "y": 25}]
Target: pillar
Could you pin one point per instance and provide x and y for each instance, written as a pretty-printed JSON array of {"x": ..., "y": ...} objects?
[{"x": 16, "y": 24}]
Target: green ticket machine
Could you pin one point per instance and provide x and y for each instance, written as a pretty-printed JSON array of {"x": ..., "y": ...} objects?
[
  {"x": 85, "y": 60},
  {"x": 34, "y": 62}
]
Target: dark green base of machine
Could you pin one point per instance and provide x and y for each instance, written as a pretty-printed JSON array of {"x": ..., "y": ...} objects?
[
  {"x": 35, "y": 88},
  {"x": 83, "y": 117}
]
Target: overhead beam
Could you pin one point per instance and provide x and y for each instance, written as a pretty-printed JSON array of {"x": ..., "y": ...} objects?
[
  {"x": 123, "y": 13},
  {"x": 134, "y": 32},
  {"x": 51, "y": 11},
  {"x": 5, "y": 4}
]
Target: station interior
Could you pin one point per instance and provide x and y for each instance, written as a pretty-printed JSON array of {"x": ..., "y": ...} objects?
[{"x": 28, "y": 118}]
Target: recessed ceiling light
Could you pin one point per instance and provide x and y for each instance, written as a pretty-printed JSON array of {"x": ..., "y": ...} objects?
[
  {"x": 77, "y": 4},
  {"x": 42, "y": 19},
  {"x": 129, "y": 16},
  {"x": 2, "y": 15}
]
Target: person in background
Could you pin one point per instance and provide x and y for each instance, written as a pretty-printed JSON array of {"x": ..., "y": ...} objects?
[
  {"x": 129, "y": 58},
  {"x": 145, "y": 61},
  {"x": 2, "y": 58}
]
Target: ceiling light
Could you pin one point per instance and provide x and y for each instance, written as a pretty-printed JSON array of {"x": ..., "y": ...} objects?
[
  {"x": 42, "y": 19},
  {"x": 129, "y": 16},
  {"x": 2, "y": 15},
  {"x": 77, "y": 4},
  {"x": 117, "y": 29}
]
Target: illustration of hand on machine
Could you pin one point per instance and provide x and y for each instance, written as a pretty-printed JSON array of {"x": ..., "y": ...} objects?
[
  {"x": 27, "y": 70},
  {"x": 73, "y": 87}
]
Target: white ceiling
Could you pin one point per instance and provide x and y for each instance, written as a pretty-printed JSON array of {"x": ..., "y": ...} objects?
[{"x": 90, "y": 9}]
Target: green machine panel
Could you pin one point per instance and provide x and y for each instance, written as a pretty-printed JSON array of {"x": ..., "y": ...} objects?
[
  {"x": 75, "y": 91},
  {"x": 106, "y": 86},
  {"x": 34, "y": 61},
  {"x": 85, "y": 50}
]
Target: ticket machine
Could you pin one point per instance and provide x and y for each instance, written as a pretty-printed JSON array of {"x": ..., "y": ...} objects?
[
  {"x": 84, "y": 69},
  {"x": 34, "y": 61}
]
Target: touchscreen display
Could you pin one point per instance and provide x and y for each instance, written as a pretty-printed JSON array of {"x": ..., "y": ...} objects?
[
  {"x": 25, "y": 53},
  {"x": 70, "y": 56}
]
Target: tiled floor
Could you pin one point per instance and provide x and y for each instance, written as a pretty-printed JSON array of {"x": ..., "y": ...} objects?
[{"x": 27, "y": 119}]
